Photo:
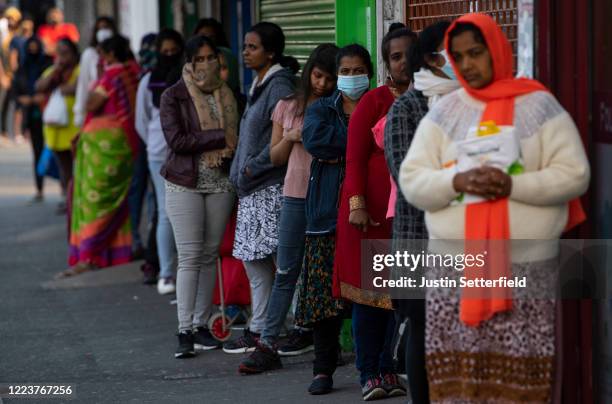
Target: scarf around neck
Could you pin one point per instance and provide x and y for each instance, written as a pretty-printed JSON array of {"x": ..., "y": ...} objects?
[
  {"x": 221, "y": 113},
  {"x": 432, "y": 86}
]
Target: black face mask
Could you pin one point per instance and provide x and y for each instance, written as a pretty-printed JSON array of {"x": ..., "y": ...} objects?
[
  {"x": 159, "y": 76},
  {"x": 168, "y": 61}
]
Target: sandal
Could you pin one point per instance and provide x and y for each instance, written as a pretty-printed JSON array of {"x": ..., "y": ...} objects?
[{"x": 74, "y": 270}]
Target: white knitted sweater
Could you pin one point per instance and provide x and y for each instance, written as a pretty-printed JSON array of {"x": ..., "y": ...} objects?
[{"x": 556, "y": 166}]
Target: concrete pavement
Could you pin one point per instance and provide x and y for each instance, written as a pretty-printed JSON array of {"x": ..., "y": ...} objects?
[{"x": 106, "y": 333}]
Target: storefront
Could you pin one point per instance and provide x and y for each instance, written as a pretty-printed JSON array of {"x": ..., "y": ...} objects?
[{"x": 306, "y": 24}]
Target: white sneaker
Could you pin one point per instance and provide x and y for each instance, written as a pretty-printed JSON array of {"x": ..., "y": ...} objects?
[{"x": 165, "y": 286}]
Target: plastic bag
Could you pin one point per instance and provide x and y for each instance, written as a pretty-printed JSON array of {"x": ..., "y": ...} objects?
[
  {"x": 489, "y": 145},
  {"x": 56, "y": 111},
  {"x": 47, "y": 166}
]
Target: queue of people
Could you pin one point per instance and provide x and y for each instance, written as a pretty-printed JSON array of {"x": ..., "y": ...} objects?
[{"x": 311, "y": 163}]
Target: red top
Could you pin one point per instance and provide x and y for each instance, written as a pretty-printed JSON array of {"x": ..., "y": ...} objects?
[
  {"x": 51, "y": 34},
  {"x": 366, "y": 174}
]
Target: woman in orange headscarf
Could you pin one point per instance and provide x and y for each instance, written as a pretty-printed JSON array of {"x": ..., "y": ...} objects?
[{"x": 498, "y": 347}]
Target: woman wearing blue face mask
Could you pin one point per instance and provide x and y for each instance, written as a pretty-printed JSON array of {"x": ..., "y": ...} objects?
[
  {"x": 430, "y": 84},
  {"x": 324, "y": 136},
  {"x": 362, "y": 216}
]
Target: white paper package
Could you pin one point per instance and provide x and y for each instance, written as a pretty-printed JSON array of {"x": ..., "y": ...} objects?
[{"x": 499, "y": 147}]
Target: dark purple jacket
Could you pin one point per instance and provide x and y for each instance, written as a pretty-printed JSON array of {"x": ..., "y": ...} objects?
[{"x": 186, "y": 141}]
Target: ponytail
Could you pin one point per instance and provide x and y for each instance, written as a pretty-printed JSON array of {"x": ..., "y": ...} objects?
[{"x": 290, "y": 62}]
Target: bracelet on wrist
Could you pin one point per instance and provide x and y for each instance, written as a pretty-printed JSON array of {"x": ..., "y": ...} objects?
[{"x": 357, "y": 202}]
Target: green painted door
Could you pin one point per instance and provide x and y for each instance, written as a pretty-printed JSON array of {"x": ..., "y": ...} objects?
[
  {"x": 189, "y": 16},
  {"x": 306, "y": 24},
  {"x": 356, "y": 23},
  {"x": 166, "y": 16}
]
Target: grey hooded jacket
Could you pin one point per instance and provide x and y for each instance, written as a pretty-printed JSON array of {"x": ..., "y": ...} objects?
[{"x": 255, "y": 132}]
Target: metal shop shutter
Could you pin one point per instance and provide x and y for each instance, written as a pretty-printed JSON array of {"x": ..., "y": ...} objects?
[
  {"x": 421, "y": 13},
  {"x": 306, "y": 24}
]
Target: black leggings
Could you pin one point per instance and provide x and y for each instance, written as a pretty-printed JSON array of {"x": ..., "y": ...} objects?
[
  {"x": 64, "y": 161},
  {"x": 4, "y": 107},
  {"x": 35, "y": 126},
  {"x": 326, "y": 334},
  {"x": 415, "y": 352}
]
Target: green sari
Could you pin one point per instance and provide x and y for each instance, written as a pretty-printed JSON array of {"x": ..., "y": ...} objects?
[{"x": 100, "y": 231}]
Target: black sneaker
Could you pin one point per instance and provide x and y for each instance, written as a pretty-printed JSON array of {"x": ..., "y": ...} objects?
[
  {"x": 321, "y": 385},
  {"x": 244, "y": 344},
  {"x": 393, "y": 386},
  {"x": 298, "y": 342},
  {"x": 149, "y": 274},
  {"x": 373, "y": 389},
  {"x": 185, "y": 348},
  {"x": 203, "y": 340},
  {"x": 261, "y": 360}
]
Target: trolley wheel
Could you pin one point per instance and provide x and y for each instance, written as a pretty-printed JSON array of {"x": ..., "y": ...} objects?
[{"x": 215, "y": 325}]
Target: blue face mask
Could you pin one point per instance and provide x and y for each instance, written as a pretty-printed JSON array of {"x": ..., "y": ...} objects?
[
  {"x": 448, "y": 67},
  {"x": 353, "y": 86}
]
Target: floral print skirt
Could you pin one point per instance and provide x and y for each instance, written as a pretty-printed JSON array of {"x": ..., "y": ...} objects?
[
  {"x": 257, "y": 224},
  {"x": 315, "y": 299}
]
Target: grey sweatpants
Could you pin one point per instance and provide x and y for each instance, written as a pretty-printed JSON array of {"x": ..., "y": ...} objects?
[{"x": 198, "y": 221}]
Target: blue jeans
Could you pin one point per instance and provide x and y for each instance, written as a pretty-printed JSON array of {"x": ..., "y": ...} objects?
[
  {"x": 166, "y": 247},
  {"x": 290, "y": 254},
  {"x": 136, "y": 194},
  {"x": 373, "y": 330}
]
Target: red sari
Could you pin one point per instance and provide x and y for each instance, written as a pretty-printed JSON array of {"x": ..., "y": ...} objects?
[{"x": 366, "y": 175}]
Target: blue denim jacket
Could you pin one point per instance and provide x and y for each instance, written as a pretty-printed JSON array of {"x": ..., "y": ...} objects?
[{"x": 324, "y": 136}]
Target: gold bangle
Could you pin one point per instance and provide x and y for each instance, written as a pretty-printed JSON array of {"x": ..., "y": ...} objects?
[{"x": 357, "y": 202}]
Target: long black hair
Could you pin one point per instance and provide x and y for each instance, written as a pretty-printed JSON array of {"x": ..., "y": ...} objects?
[
  {"x": 93, "y": 42},
  {"x": 429, "y": 41},
  {"x": 358, "y": 51},
  {"x": 273, "y": 40},
  {"x": 322, "y": 57},
  {"x": 119, "y": 46},
  {"x": 220, "y": 38}
]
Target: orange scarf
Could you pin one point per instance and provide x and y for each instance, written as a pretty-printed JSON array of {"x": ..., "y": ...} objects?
[{"x": 489, "y": 220}]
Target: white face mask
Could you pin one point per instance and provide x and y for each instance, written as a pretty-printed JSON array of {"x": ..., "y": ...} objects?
[{"x": 103, "y": 34}]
